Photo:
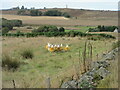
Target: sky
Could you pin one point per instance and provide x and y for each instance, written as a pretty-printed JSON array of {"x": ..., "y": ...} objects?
[{"x": 77, "y": 4}]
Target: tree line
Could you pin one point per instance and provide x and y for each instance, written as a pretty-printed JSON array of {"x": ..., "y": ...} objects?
[
  {"x": 53, "y": 31},
  {"x": 36, "y": 12},
  {"x": 8, "y": 25},
  {"x": 103, "y": 28}
]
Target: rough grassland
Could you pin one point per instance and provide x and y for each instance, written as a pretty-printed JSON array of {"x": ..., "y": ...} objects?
[
  {"x": 33, "y": 72},
  {"x": 61, "y": 21}
]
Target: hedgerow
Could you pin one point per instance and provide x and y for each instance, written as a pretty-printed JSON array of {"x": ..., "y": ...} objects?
[{"x": 57, "y": 34}]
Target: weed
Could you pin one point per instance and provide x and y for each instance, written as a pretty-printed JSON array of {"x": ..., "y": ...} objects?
[
  {"x": 9, "y": 63},
  {"x": 27, "y": 54}
]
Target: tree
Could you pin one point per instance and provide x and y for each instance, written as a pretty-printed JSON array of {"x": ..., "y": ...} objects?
[
  {"x": 53, "y": 13},
  {"x": 11, "y": 23},
  {"x": 21, "y": 12},
  {"x": 49, "y": 28},
  {"x": 39, "y": 13},
  {"x": 32, "y": 8},
  {"x": 7, "y": 24},
  {"x": 16, "y": 23},
  {"x": 52, "y": 28},
  {"x": 5, "y": 30},
  {"x": 44, "y": 7},
  {"x": 18, "y": 7},
  {"x": 22, "y": 7},
  {"x": 61, "y": 29},
  {"x": 66, "y": 15},
  {"x": 35, "y": 13}
]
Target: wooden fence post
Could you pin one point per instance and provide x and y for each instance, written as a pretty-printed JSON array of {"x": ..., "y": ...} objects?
[
  {"x": 14, "y": 83},
  {"x": 48, "y": 85}
]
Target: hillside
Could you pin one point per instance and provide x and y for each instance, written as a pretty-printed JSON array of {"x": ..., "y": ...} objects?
[{"x": 79, "y": 17}]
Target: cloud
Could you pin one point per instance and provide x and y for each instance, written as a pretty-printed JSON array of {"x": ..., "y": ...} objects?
[
  {"x": 61, "y": 1},
  {"x": 91, "y": 4}
]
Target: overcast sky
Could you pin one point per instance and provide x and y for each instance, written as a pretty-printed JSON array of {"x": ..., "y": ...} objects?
[{"x": 84, "y": 4}]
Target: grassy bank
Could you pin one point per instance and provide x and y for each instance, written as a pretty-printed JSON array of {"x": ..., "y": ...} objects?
[{"x": 33, "y": 72}]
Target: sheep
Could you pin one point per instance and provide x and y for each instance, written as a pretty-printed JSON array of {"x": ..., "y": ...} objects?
[
  {"x": 48, "y": 45},
  {"x": 66, "y": 48},
  {"x": 51, "y": 49}
]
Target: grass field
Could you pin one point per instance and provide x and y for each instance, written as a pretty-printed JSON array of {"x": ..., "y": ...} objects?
[
  {"x": 83, "y": 29},
  {"x": 34, "y": 72},
  {"x": 61, "y": 21},
  {"x": 24, "y": 29}
]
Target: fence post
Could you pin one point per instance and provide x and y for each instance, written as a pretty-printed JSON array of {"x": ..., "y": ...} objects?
[
  {"x": 48, "y": 85},
  {"x": 14, "y": 83}
]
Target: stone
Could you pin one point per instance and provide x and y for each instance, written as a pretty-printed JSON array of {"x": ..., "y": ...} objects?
[
  {"x": 102, "y": 72},
  {"x": 96, "y": 65},
  {"x": 73, "y": 83},
  {"x": 91, "y": 72},
  {"x": 97, "y": 72},
  {"x": 85, "y": 81},
  {"x": 65, "y": 85},
  {"x": 70, "y": 84}
]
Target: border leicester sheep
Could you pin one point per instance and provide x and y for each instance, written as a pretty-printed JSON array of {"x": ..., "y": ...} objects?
[{"x": 57, "y": 48}]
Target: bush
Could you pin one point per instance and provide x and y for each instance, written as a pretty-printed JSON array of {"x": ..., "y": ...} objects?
[
  {"x": 5, "y": 30},
  {"x": 116, "y": 44},
  {"x": 49, "y": 28},
  {"x": 9, "y": 63},
  {"x": 11, "y": 23},
  {"x": 66, "y": 15},
  {"x": 16, "y": 23},
  {"x": 103, "y": 28},
  {"x": 61, "y": 29},
  {"x": 8, "y": 24},
  {"x": 21, "y": 12},
  {"x": 29, "y": 27},
  {"x": 35, "y": 13},
  {"x": 53, "y": 13},
  {"x": 27, "y": 54},
  {"x": 94, "y": 30}
]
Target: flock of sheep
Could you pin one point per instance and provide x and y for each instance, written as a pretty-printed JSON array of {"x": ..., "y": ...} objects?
[{"x": 54, "y": 47}]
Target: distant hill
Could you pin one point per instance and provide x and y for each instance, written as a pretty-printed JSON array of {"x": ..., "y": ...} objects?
[
  {"x": 75, "y": 12},
  {"x": 79, "y": 16}
]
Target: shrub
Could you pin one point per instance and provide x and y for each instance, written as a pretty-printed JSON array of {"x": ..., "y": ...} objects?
[
  {"x": 21, "y": 12},
  {"x": 66, "y": 15},
  {"x": 11, "y": 23},
  {"x": 61, "y": 29},
  {"x": 29, "y": 27},
  {"x": 5, "y": 30},
  {"x": 16, "y": 23},
  {"x": 8, "y": 24},
  {"x": 103, "y": 28},
  {"x": 72, "y": 34},
  {"x": 35, "y": 13},
  {"x": 9, "y": 63},
  {"x": 93, "y": 30},
  {"x": 44, "y": 28},
  {"x": 53, "y": 13},
  {"x": 27, "y": 54},
  {"x": 116, "y": 44}
]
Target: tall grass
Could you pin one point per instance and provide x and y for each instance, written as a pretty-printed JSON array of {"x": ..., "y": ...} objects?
[
  {"x": 111, "y": 81},
  {"x": 27, "y": 53},
  {"x": 87, "y": 56},
  {"x": 116, "y": 44},
  {"x": 9, "y": 63}
]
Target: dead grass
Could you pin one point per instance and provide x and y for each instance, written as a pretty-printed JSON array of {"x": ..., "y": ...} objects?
[{"x": 61, "y": 21}]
